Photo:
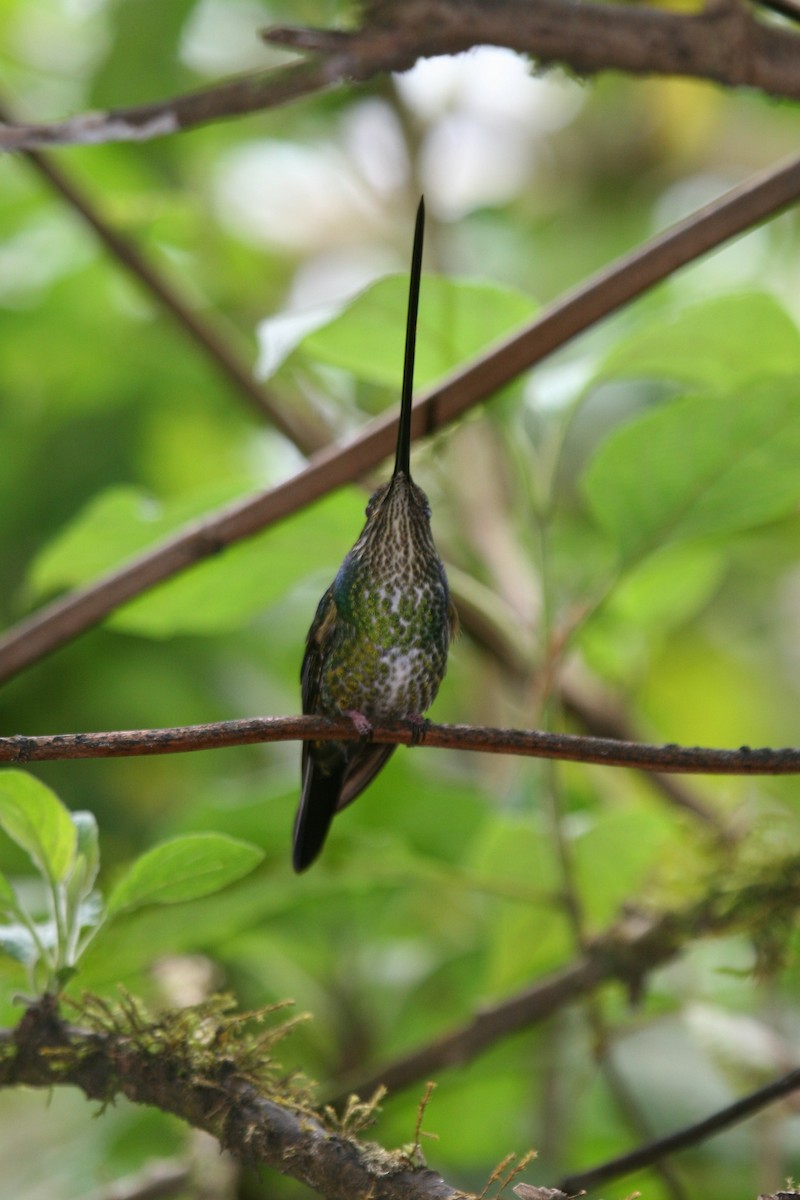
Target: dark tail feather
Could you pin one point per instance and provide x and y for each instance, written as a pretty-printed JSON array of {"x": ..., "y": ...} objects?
[{"x": 317, "y": 808}]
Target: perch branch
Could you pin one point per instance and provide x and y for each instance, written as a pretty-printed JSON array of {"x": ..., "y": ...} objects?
[
  {"x": 725, "y": 42},
  {"x": 737, "y": 210},
  {"x": 211, "y": 340},
  {"x": 567, "y": 747}
]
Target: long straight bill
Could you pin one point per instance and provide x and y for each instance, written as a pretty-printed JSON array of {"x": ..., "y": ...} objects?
[{"x": 402, "y": 461}]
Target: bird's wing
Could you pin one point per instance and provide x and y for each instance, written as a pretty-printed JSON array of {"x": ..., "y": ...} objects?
[
  {"x": 316, "y": 642},
  {"x": 452, "y": 616},
  {"x": 310, "y": 673}
]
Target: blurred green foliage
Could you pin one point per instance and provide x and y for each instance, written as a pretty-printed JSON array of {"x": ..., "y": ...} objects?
[{"x": 630, "y": 508}]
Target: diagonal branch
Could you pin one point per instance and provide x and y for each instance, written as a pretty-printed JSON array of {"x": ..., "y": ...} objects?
[
  {"x": 234, "y": 1090},
  {"x": 737, "y": 210},
  {"x": 235, "y": 97},
  {"x": 203, "y": 332},
  {"x": 526, "y": 743},
  {"x": 725, "y": 43},
  {"x": 626, "y": 953},
  {"x": 222, "y": 1098},
  {"x": 682, "y": 1139}
]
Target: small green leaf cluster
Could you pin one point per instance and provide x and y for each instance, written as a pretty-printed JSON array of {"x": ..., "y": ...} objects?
[{"x": 50, "y": 933}]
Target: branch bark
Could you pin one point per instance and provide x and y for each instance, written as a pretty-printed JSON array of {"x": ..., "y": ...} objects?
[
  {"x": 566, "y": 747},
  {"x": 44, "y": 1051},
  {"x": 737, "y": 210},
  {"x": 221, "y": 1088},
  {"x": 725, "y": 43}
]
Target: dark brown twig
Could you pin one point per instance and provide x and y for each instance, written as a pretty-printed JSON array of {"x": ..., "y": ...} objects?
[
  {"x": 203, "y": 332},
  {"x": 567, "y": 747},
  {"x": 690, "y": 1135},
  {"x": 724, "y": 43},
  {"x": 740, "y": 209}
]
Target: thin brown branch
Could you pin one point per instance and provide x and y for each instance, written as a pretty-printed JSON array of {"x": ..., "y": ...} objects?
[
  {"x": 724, "y": 43},
  {"x": 690, "y": 1135},
  {"x": 202, "y": 331},
  {"x": 737, "y": 210},
  {"x": 526, "y": 743},
  {"x": 627, "y": 953},
  {"x": 258, "y": 1129},
  {"x": 233, "y": 98}
]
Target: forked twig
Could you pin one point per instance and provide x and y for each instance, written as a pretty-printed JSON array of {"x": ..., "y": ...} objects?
[{"x": 724, "y": 42}]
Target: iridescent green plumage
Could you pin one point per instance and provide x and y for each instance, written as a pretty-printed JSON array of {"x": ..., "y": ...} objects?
[{"x": 377, "y": 647}]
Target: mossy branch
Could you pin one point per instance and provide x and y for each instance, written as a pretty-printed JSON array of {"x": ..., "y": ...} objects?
[
  {"x": 214, "y": 1071},
  {"x": 215, "y": 1068}
]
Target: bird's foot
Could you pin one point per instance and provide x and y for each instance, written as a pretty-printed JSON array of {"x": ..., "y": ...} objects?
[
  {"x": 362, "y": 723},
  {"x": 418, "y": 725}
]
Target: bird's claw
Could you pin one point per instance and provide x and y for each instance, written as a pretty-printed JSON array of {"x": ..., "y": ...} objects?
[
  {"x": 363, "y": 724},
  {"x": 418, "y": 725}
]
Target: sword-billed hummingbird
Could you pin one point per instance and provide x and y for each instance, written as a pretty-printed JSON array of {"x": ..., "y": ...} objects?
[{"x": 377, "y": 647}]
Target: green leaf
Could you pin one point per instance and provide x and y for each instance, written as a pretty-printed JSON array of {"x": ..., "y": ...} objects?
[
  {"x": 526, "y": 937},
  {"x": 183, "y": 869},
  {"x": 143, "y": 47},
  {"x": 219, "y": 594},
  {"x": 115, "y": 525},
  {"x": 656, "y": 596},
  {"x": 457, "y": 319},
  {"x": 698, "y": 466},
  {"x": 34, "y": 817},
  {"x": 721, "y": 343},
  {"x": 614, "y": 856}
]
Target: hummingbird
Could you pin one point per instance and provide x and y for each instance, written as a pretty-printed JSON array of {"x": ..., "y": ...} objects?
[{"x": 377, "y": 647}]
